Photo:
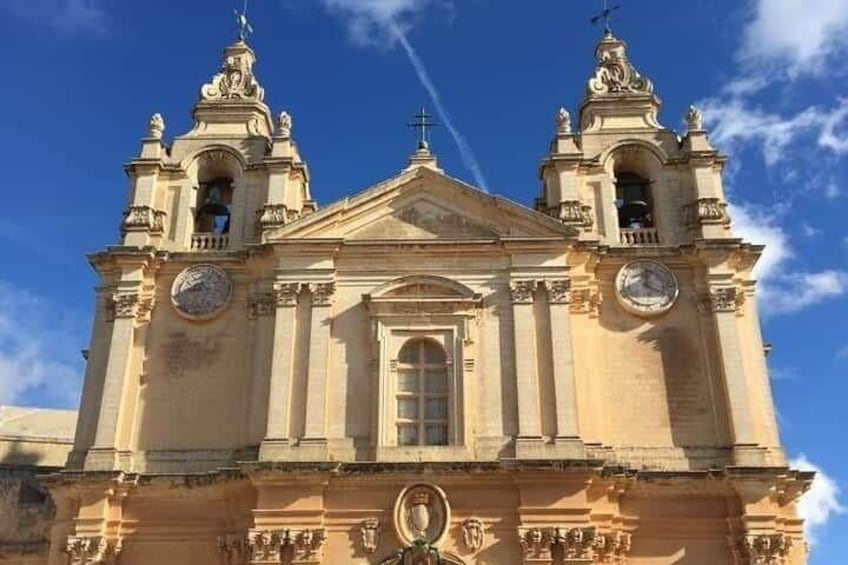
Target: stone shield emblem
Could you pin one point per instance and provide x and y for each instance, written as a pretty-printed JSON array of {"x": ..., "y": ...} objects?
[{"x": 422, "y": 513}]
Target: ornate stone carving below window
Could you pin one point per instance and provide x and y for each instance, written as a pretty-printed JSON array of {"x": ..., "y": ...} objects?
[
  {"x": 574, "y": 213},
  {"x": 143, "y": 218},
  {"x": 92, "y": 550},
  {"x": 770, "y": 549},
  {"x": 615, "y": 74},
  {"x": 274, "y": 216},
  {"x": 522, "y": 292},
  {"x": 728, "y": 299},
  {"x": 707, "y": 211},
  {"x": 613, "y": 547},
  {"x": 574, "y": 544}
]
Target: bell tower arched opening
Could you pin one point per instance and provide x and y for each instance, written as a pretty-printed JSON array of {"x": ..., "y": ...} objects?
[{"x": 633, "y": 201}]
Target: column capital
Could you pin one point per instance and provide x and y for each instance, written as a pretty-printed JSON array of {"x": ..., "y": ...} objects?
[
  {"x": 89, "y": 550},
  {"x": 286, "y": 294},
  {"x": 523, "y": 291},
  {"x": 586, "y": 301},
  {"x": 124, "y": 305},
  {"x": 761, "y": 548},
  {"x": 559, "y": 291},
  {"x": 321, "y": 294},
  {"x": 722, "y": 299},
  {"x": 143, "y": 219}
]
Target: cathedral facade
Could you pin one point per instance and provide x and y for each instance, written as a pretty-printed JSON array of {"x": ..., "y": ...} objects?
[{"x": 424, "y": 373}]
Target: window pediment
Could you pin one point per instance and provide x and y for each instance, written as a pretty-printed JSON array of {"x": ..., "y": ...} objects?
[{"x": 422, "y": 294}]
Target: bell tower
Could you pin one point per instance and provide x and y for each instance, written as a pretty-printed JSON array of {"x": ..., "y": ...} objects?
[
  {"x": 625, "y": 179},
  {"x": 234, "y": 176}
]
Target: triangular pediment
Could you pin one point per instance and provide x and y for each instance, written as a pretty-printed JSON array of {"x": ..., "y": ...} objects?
[
  {"x": 423, "y": 219},
  {"x": 421, "y": 205}
]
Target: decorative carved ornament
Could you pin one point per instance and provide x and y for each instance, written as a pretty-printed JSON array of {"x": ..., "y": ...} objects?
[
  {"x": 201, "y": 292},
  {"x": 233, "y": 548},
  {"x": 473, "y": 534},
  {"x": 771, "y": 549},
  {"x": 522, "y": 292},
  {"x": 421, "y": 514},
  {"x": 269, "y": 546},
  {"x": 143, "y": 218},
  {"x": 235, "y": 81},
  {"x": 91, "y": 550},
  {"x": 586, "y": 301},
  {"x": 284, "y": 124},
  {"x": 129, "y": 306},
  {"x": 261, "y": 304},
  {"x": 321, "y": 294},
  {"x": 574, "y": 544},
  {"x": 369, "y": 533},
  {"x": 559, "y": 291},
  {"x": 274, "y": 216},
  {"x": 287, "y": 294},
  {"x": 156, "y": 126},
  {"x": 563, "y": 122},
  {"x": 707, "y": 211},
  {"x": 727, "y": 299},
  {"x": 573, "y": 213},
  {"x": 695, "y": 119},
  {"x": 615, "y": 74}
]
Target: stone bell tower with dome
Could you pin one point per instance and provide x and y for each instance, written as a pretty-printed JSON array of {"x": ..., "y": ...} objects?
[{"x": 423, "y": 373}]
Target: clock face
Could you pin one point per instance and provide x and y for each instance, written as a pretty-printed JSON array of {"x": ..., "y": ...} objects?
[
  {"x": 201, "y": 292},
  {"x": 646, "y": 287}
]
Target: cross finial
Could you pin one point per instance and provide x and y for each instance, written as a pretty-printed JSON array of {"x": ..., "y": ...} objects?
[
  {"x": 606, "y": 16},
  {"x": 244, "y": 27},
  {"x": 424, "y": 123}
]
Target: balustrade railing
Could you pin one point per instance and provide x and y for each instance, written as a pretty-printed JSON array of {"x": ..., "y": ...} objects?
[
  {"x": 640, "y": 236},
  {"x": 209, "y": 241}
]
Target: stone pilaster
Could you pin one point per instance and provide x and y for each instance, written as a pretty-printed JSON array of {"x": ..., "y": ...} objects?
[
  {"x": 565, "y": 390},
  {"x": 529, "y": 440},
  {"x": 321, "y": 298},
  {"x": 722, "y": 304},
  {"x": 124, "y": 311},
  {"x": 277, "y": 432}
]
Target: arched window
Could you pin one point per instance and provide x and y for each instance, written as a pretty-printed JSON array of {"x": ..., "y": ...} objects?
[
  {"x": 214, "y": 200},
  {"x": 633, "y": 200},
  {"x": 422, "y": 394}
]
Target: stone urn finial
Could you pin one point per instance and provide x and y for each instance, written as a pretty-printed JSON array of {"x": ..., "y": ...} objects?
[{"x": 156, "y": 126}]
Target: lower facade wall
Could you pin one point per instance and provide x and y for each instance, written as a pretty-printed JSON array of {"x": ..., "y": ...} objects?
[{"x": 494, "y": 517}]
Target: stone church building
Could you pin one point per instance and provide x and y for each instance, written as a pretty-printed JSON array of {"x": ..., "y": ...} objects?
[{"x": 420, "y": 373}]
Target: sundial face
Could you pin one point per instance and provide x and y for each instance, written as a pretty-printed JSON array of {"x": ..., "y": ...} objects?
[
  {"x": 200, "y": 292},
  {"x": 646, "y": 288}
]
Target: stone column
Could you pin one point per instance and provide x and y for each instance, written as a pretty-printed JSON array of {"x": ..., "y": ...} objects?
[
  {"x": 277, "y": 432},
  {"x": 123, "y": 311},
  {"x": 722, "y": 304},
  {"x": 321, "y": 296},
  {"x": 529, "y": 440},
  {"x": 565, "y": 390}
]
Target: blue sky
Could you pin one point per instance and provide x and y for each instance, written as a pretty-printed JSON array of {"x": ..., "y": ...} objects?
[{"x": 84, "y": 76}]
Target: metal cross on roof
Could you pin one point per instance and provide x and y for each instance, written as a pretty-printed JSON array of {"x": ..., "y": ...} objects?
[
  {"x": 606, "y": 16},
  {"x": 245, "y": 29},
  {"x": 423, "y": 122}
]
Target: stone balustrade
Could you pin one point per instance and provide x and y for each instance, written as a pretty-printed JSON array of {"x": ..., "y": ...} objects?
[
  {"x": 639, "y": 236},
  {"x": 209, "y": 241}
]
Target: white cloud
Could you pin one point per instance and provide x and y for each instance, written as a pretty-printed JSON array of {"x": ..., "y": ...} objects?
[
  {"x": 809, "y": 231},
  {"x": 798, "y": 35},
  {"x": 39, "y": 349},
  {"x": 832, "y": 191},
  {"x": 370, "y": 21},
  {"x": 782, "y": 289},
  {"x": 64, "y": 16},
  {"x": 821, "y": 502},
  {"x": 734, "y": 121}
]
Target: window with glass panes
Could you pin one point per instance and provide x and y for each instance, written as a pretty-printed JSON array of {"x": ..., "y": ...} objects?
[{"x": 422, "y": 394}]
